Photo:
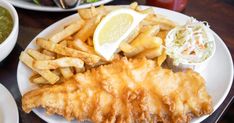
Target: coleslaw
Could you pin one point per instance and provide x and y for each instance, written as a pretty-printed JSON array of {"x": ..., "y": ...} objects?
[{"x": 190, "y": 43}]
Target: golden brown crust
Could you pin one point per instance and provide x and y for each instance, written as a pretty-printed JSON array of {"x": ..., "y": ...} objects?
[{"x": 125, "y": 91}]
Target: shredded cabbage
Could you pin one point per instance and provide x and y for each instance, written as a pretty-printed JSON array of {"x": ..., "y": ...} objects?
[{"x": 190, "y": 43}]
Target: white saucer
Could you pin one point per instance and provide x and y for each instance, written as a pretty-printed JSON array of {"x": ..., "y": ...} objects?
[
  {"x": 8, "y": 107},
  {"x": 28, "y": 4}
]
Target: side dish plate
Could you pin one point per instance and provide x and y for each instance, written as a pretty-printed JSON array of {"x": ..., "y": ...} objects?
[
  {"x": 25, "y": 4},
  {"x": 218, "y": 74},
  {"x": 8, "y": 107}
]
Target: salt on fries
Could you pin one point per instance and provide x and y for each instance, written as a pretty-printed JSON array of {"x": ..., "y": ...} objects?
[{"x": 71, "y": 50}]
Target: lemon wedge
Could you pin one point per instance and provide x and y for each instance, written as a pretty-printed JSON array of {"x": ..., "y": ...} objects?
[{"x": 114, "y": 28}]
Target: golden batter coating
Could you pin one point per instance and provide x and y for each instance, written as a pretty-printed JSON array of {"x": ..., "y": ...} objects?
[{"x": 125, "y": 91}]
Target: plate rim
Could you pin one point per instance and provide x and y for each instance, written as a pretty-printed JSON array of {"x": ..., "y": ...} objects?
[
  {"x": 215, "y": 107},
  {"x": 14, "y": 107},
  {"x": 56, "y": 9}
]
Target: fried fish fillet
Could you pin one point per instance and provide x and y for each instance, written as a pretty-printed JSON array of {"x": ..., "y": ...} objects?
[{"x": 125, "y": 91}]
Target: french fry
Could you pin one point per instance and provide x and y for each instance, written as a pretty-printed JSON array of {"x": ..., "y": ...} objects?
[
  {"x": 90, "y": 42},
  {"x": 142, "y": 43},
  {"x": 47, "y": 74},
  {"x": 125, "y": 47},
  {"x": 39, "y": 80},
  {"x": 162, "y": 34},
  {"x": 149, "y": 30},
  {"x": 69, "y": 30},
  {"x": 36, "y": 78},
  {"x": 34, "y": 74},
  {"x": 138, "y": 9},
  {"x": 151, "y": 53},
  {"x": 65, "y": 71},
  {"x": 165, "y": 27},
  {"x": 144, "y": 28},
  {"x": 80, "y": 70},
  {"x": 70, "y": 44},
  {"x": 87, "y": 14},
  {"x": 67, "y": 50},
  {"x": 69, "y": 38},
  {"x": 88, "y": 29},
  {"x": 64, "y": 43},
  {"x": 57, "y": 72},
  {"x": 61, "y": 62},
  {"x": 149, "y": 11},
  {"x": 80, "y": 45},
  {"x": 39, "y": 56},
  {"x": 133, "y": 35},
  {"x": 58, "y": 48},
  {"x": 162, "y": 58},
  {"x": 152, "y": 31},
  {"x": 164, "y": 23},
  {"x": 48, "y": 53},
  {"x": 133, "y": 5}
]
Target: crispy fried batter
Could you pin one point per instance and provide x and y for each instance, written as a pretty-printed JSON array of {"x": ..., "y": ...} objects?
[{"x": 125, "y": 91}]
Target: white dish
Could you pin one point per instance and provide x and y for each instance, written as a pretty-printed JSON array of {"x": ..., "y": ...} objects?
[
  {"x": 218, "y": 73},
  {"x": 8, "y": 107},
  {"x": 27, "y": 4},
  {"x": 182, "y": 65},
  {"x": 9, "y": 43}
]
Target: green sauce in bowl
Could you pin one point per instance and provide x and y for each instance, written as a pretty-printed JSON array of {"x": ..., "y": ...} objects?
[{"x": 6, "y": 24}]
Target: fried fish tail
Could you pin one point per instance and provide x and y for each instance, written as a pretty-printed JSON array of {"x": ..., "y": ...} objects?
[
  {"x": 54, "y": 99},
  {"x": 190, "y": 99}
]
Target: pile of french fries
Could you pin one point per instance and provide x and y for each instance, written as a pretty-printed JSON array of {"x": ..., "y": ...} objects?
[{"x": 71, "y": 50}]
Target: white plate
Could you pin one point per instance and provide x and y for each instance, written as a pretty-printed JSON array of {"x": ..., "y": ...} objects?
[
  {"x": 27, "y": 4},
  {"x": 8, "y": 108},
  {"x": 218, "y": 74}
]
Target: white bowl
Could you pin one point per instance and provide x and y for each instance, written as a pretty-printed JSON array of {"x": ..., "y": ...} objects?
[
  {"x": 198, "y": 67},
  {"x": 9, "y": 43}
]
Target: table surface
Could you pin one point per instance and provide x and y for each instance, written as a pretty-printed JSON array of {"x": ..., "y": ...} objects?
[{"x": 219, "y": 14}]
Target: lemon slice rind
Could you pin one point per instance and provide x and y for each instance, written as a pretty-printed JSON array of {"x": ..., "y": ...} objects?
[{"x": 107, "y": 49}]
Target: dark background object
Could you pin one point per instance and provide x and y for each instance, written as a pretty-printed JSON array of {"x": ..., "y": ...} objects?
[
  {"x": 176, "y": 5},
  {"x": 228, "y": 115},
  {"x": 44, "y": 2}
]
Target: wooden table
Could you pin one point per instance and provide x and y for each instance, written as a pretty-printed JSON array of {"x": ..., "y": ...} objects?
[{"x": 219, "y": 14}]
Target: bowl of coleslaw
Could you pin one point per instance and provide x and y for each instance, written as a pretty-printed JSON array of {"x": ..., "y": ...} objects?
[{"x": 190, "y": 46}]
